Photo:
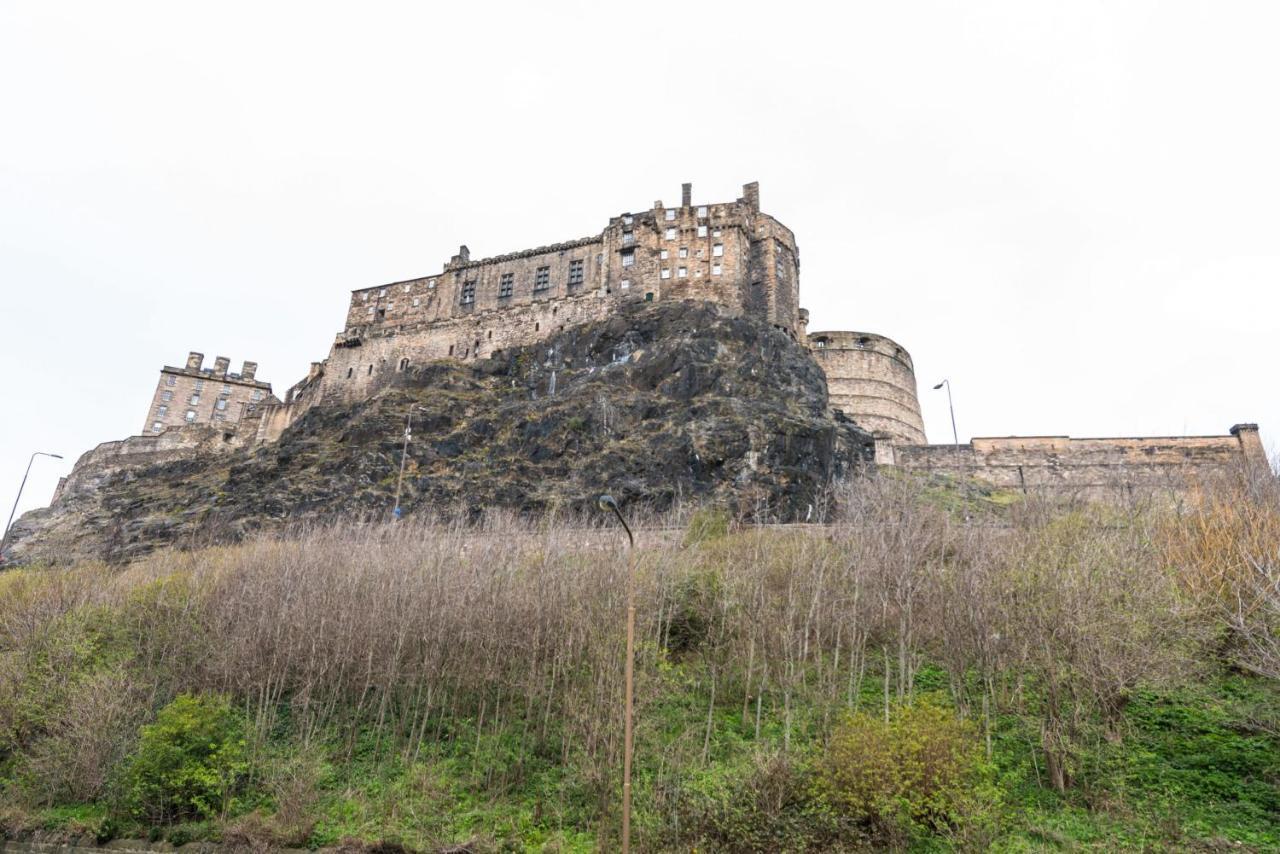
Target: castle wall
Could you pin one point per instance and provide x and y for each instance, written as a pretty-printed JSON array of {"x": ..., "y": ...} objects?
[
  {"x": 1088, "y": 468},
  {"x": 178, "y": 443},
  {"x": 871, "y": 379}
]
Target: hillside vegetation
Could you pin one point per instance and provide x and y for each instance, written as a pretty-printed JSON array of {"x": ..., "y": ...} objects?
[{"x": 924, "y": 671}]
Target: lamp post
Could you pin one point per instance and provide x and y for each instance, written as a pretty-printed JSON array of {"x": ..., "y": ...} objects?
[
  {"x": 4, "y": 541},
  {"x": 607, "y": 504},
  {"x": 955, "y": 437},
  {"x": 404, "y": 456}
]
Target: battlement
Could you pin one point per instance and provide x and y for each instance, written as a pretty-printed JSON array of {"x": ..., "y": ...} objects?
[{"x": 871, "y": 379}]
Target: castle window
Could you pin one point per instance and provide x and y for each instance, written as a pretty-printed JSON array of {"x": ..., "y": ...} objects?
[
  {"x": 156, "y": 427},
  {"x": 575, "y": 272},
  {"x": 162, "y": 411},
  {"x": 715, "y": 269},
  {"x": 648, "y": 297},
  {"x": 406, "y": 289},
  {"x": 541, "y": 279},
  {"x": 628, "y": 238},
  {"x": 199, "y": 385},
  {"x": 702, "y": 231},
  {"x": 191, "y": 415},
  {"x": 382, "y": 293},
  {"x": 370, "y": 371},
  {"x": 195, "y": 400},
  {"x": 221, "y": 403},
  {"x": 670, "y": 234},
  {"x": 404, "y": 364},
  {"x": 717, "y": 250},
  {"x": 168, "y": 379},
  {"x": 663, "y": 254},
  {"x": 682, "y": 273},
  {"x": 450, "y": 349},
  {"x": 666, "y": 272},
  {"x": 628, "y": 257},
  {"x": 468, "y": 293},
  {"x": 506, "y": 285},
  {"x": 684, "y": 252},
  {"x": 350, "y": 371},
  {"x": 166, "y": 396},
  {"x": 431, "y": 286},
  {"x": 218, "y": 416},
  {"x": 715, "y": 232},
  {"x": 382, "y": 314},
  {"x": 257, "y": 394},
  {"x": 490, "y": 334},
  {"x": 537, "y": 327},
  {"x": 627, "y": 219},
  {"x": 626, "y": 283},
  {"x": 779, "y": 268},
  {"x": 226, "y": 389},
  {"x": 415, "y": 302},
  {"x": 364, "y": 296},
  {"x": 821, "y": 343},
  {"x": 671, "y": 214},
  {"x": 702, "y": 211}
]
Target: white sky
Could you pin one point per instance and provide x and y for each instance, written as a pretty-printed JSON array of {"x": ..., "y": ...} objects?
[{"x": 1070, "y": 209}]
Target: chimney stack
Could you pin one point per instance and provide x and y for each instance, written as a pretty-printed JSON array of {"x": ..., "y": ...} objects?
[
  {"x": 220, "y": 366},
  {"x": 751, "y": 195},
  {"x": 248, "y": 370},
  {"x": 686, "y": 195},
  {"x": 194, "y": 360}
]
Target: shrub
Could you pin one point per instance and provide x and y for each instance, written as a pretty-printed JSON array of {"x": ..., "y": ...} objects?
[
  {"x": 925, "y": 768},
  {"x": 189, "y": 763}
]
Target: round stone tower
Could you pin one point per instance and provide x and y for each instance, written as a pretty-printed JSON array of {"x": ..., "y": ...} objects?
[{"x": 870, "y": 378}]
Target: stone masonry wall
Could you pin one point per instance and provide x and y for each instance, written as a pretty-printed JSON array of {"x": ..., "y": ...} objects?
[
  {"x": 194, "y": 394},
  {"x": 1088, "y": 468}
]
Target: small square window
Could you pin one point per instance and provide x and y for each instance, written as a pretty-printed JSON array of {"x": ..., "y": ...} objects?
[
  {"x": 717, "y": 250},
  {"x": 166, "y": 396},
  {"x": 541, "y": 279},
  {"x": 506, "y": 285},
  {"x": 467, "y": 296},
  {"x": 195, "y": 400},
  {"x": 671, "y": 214},
  {"x": 431, "y": 286},
  {"x": 715, "y": 232},
  {"x": 162, "y": 411},
  {"x": 715, "y": 269},
  {"x": 168, "y": 379},
  {"x": 226, "y": 389},
  {"x": 406, "y": 288},
  {"x": 684, "y": 252},
  {"x": 627, "y": 219},
  {"x": 257, "y": 394},
  {"x": 702, "y": 210},
  {"x": 364, "y": 297},
  {"x": 626, "y": 283},
  {"x": 666, "y": 272},
  {"x": 702, "y": 231},
  {"x": 156, "y": 427},
  {"x": 221, "y": 404},
  {"x": 628, "y": 257},
  {"x": 682, "y": 273},
  {"x": 575, "y": 272},
  {"x": 628, "y": 238},
  {"x": 663, "y": 254},
  {"x": 648, "y": 297},
  {"x": 382, "y": 293},
  {"x": 415, "y": 302},
  {"x": 670, "y": 234},
  {"x": 199, "y": 385},
  {"x": 191, "y": 415}
]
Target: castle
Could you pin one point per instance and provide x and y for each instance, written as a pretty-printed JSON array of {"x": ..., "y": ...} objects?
[{"x": 728, "y": 253}]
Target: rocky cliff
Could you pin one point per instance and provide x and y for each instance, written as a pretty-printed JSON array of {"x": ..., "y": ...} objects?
[{"x": 662, "y": 403}]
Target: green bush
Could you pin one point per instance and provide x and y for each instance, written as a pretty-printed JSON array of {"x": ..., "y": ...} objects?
[
  {"x": 190, "y": 763},
  {"x": 924, "y": 769}
]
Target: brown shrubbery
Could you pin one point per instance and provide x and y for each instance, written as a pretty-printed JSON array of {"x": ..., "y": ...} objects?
[{"x": 388, "y": 640}]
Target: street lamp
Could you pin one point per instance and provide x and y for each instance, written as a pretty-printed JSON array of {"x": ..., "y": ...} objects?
[
  {"x": 954, "y": 435},
  {"x": 607, "y": 504},
  {"x": 4, "y": 541},
  {"x": 404, "y": 455}
]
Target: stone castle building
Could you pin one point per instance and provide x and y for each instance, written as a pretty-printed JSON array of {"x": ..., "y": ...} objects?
[
  {"x": 729, "y": 253},
  {"x": 194, "y": 394}
]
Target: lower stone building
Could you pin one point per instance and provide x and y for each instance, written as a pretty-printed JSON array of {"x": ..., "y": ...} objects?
[{"x": 194, "y": 394}]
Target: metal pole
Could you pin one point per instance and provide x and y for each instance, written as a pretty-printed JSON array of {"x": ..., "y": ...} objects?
[
  {"x": 955, "y": 436},
  {"x": 607, "y": 503},
  {"x": 404, "y": 456},
  {"x": 4, "y": 541}
]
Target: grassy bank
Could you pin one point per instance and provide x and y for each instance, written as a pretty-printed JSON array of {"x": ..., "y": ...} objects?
[{"x": 920, "y": 673}]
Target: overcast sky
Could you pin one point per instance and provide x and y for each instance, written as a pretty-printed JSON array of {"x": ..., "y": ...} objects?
[{"x": 1069, "y": 209}]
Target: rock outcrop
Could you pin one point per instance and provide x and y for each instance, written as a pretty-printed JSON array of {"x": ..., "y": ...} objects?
[{"x": 662, "y": 403}]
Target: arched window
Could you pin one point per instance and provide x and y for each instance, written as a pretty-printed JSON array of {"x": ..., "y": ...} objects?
[{"x": 404, "y": 364}]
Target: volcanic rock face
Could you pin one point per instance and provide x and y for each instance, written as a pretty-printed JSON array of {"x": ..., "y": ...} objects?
[{"x": 662, "y": 403}]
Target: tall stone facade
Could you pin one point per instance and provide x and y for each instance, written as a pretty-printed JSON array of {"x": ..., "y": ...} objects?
[{"x": 194, "y": 394}]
